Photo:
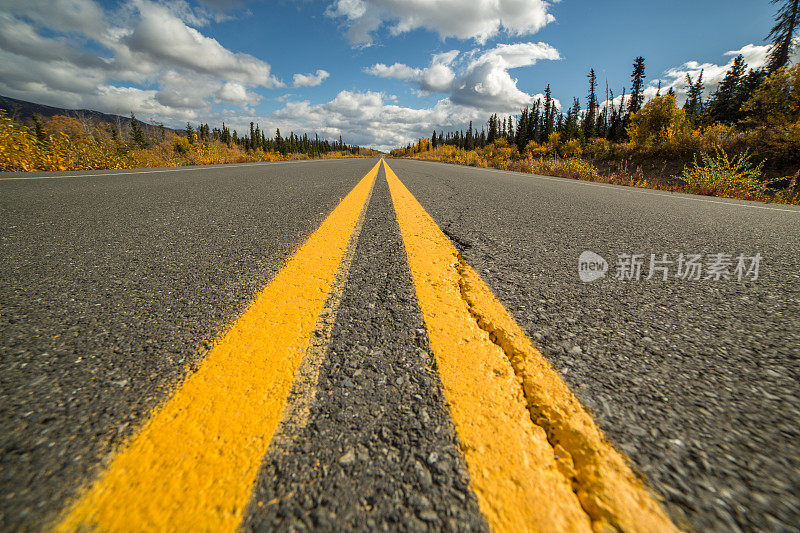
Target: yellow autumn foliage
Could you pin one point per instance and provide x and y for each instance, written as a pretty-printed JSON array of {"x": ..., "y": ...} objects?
[{"x": 72, "y": 144}]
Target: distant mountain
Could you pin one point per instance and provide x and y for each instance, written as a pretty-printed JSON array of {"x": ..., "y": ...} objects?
[{"x": 23, "y": 111}]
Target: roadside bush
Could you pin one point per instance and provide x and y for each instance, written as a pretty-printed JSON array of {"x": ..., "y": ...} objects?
[
  {"x": 722, "y": 175},
  {"x": 499, "y": 154},
  {"x": 535, "y": 150},
  {"x": 659, "y": 120},
  {"x": 598, "y": 148},
  {"x": 571, "y": 148}
]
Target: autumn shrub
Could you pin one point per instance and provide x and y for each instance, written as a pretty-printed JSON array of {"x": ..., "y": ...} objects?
[
  {"x": 776, "y": 101},
  {"x": 658, "y": 119},
  {"x": 499, "y": 154},
  {"x": 535, "y": 150},
  {"x": 67, "y": 146},
  {"x": 574, "y": 167},
  {"x": 722, "y": 175},
  {"x": 596, "y": 148},
  {"x": 571, "y": 148}
]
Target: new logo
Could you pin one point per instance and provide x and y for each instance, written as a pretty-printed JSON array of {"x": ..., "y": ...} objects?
[{"x": 591, "y": 267}]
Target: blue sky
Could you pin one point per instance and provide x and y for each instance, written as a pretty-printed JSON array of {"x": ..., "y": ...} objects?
[{"x": 378, "y": 72}]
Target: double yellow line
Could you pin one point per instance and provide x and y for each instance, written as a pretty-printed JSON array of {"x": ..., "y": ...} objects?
[{"x": 537, "y": 462}]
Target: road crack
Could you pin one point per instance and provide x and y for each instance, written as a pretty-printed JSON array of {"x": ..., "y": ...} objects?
[{"x": 600, "y": 477}]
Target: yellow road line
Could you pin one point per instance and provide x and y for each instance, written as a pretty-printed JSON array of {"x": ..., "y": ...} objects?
[
  {"x": 537, "y": 461},
  {"x": 192, "y": 466}
]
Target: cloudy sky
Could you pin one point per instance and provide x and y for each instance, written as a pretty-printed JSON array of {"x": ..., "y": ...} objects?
[{"x": 378, "y": 72}]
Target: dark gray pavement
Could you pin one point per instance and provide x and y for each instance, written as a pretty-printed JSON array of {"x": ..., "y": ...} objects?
[
  {"x": 697, "y": 381},
  {"x": 114, "y": 286},
  {"x": 379, "y": 451}
]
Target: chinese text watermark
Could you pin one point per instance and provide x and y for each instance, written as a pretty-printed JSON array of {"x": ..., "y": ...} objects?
[{"x": 664, "y": 267}]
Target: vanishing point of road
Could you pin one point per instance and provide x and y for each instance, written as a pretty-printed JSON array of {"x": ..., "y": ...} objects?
[{"x": 363, "y": 344}]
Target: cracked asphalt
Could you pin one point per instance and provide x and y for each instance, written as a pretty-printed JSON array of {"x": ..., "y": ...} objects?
[
  {"x": 115, "y": 287},
  {"x": 379, "y": 451},
  {"x": 697, "y": 382}
]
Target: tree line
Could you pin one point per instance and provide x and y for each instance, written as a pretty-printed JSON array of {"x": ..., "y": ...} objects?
[
  {"x": 611, "y": 118},
  {"x": 255, "y": 140},
  {"x": 258, "y": 140}
]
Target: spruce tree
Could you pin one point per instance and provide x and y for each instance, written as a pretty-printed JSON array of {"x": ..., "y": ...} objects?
[
  {"x": 637, "y": 86},
  {"x": 137, "y": 134},
  {"x": 724, "y": 104},
  {"x": 590, "y": 117},
  {"x": 694, "y": 97},
  {"x": 533, "y": 122},
  {"x": 522, "y": 130},
  {"x": 548, "y": 120},
  {"x": 571, "y": 125},
  {"x": 787, "y": 22},
  {"x": 38, "y": 129},
  {"x": 492, "y": 129}
]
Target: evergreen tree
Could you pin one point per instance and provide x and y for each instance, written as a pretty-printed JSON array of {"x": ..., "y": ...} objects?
[
  {"x": 590, "y": 118},
  {"x": 619, "y": 120},
  {"x": 637, "y": 86},
  {"x": 787, "y": 21},
  {"x": 694, "y": 97},
  {"x": 492, "y": 129},
  {"x": 533, "y": 122},
  {"x": 190, "y": 133},
  {"x": 750, "y": 82},
  {"x": 725, "y": 103},
  {"x": 137, "y": 134},
  {"x": 522, "y": 130},
  {"x": 38, "y": 129},
  {"x": 433, "y": 139},
  {"x": 571, "y": 130},
  {"x": 549, "y": 117}
]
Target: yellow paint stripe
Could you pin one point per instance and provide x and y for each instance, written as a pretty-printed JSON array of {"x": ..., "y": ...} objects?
[
  {"x": 537, "y": 461},
  {"x": 192, "y": 466}
]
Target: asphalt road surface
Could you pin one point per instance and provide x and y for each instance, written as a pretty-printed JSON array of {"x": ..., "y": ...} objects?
[{"x": 116, "y": 284}]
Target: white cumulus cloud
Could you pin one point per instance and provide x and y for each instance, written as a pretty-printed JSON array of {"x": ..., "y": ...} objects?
[
  {"x": 483, "y": 80},
  {"x": 472, "y": 19},
  {"x": 153, "y": 61},
  {"x": 310, "y": 80}
]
